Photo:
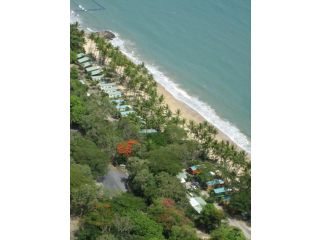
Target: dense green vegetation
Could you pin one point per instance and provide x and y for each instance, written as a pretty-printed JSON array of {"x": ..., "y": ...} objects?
[{"x": 156, "y": 205}]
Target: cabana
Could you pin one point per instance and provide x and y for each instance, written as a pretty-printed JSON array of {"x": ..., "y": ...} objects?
[
  {"x": 194, "y": 170},
  {"x": 126, "y": 113},
  {"x": 214, "y": 183},
  {"x": 96, "y": 72},
  {"x": 112, "y": 84},
  {"x": 219, "y": 191},
  {"x": 148, "y": 131},
  {"x": 97, "y": 78},
  {"x": 107, "y": 86},
  {"x": 123, "y": 108},
  {"x": 114, "y": 94},
  {"x": 110, "y": 90},
  {"x": 80, "y": 55},
  {"x": 93, "y": 68},
  {"x": 118, "y": 101},
  {"x": 83, "y": 60},
  {"x": 86, "y": 64},
  {"x": 197, "y": 203}
]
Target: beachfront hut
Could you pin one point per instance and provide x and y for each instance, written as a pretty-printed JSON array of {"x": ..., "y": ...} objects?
[
  {"x": 126, "y": 113},
  {"x": 114, "y": 94},
  {"x": 86, "y": 64},
  {"x": 93, "y": 68},
  {"x": 96, "y": 72},
  {"x": 194, "y": 170},
  {"x": 83, "y": 60},
  {"x": 148, "y": 131},
  {"x": 97, "y": 78},
  {"x": 216, "y": 183},
  {"x": 219, "y": 191},
  {"x": 182, "y": 176},
  {"x": 110, "y": 90},
  {"x": 80, "y": 55},
  {"x": 123, "y": 108},
  {"x": 117, "y": 101},
  {"x": 197, "y": 203}
]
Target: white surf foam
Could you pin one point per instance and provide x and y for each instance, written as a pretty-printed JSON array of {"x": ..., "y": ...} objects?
[
  {"x": 193, "y": 102},
  {"x": 202, "y": 108}
]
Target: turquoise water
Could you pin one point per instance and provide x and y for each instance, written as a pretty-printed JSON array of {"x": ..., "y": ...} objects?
[{"x": 199, "y": 51}]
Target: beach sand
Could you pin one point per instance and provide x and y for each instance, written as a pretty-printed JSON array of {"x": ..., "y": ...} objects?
[{"x": 187, "y": 112}]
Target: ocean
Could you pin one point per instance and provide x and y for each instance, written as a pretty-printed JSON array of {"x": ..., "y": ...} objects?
[{"x": 198, "y": 50}]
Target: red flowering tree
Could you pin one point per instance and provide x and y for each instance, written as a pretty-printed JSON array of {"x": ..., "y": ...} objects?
[{"x": 125, "y": 150}]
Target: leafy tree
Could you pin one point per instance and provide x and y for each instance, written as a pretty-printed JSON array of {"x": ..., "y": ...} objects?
[
  {"x": 165, "y": 159},
  {"x": 76, "y": 38},
  {"x": 126, "y": 202},
  {"x": 74, "y": 73},
  {"x": 210, "y": 217},
  {"x": 128, "y": 129},
  {"x": 107, "y": 236},
  {"x": 184, "y": 232},
  {"x": 77, "y": 109},
  {"x": 84, "y": 151},
  {"x": 165, "y": 212},
  {"x": 73, "y": 56},
  {"x": 144, "y": 184},
  {"x": 170, "y": 187},
  {"x": 225, "y": 232},
  {"x": 80, "y": 175},
  {"x": 174, "y": 133},
  {"x": 143, "y": 226},
  {"x": 96, "y": 222},
  {"x": 83, "y": 199}
]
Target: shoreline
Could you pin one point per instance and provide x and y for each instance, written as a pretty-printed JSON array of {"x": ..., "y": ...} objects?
[{"x": 186, "y": 111}]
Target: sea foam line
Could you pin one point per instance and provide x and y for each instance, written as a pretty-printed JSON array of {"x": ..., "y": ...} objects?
[{"x": 197, "y": 105}]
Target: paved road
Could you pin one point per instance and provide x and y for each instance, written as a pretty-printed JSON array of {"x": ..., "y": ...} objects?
[
  {"x": 238, "y": 223},
  {"x": 115, "y": 179},
  {"x": 242, "y": 225}
]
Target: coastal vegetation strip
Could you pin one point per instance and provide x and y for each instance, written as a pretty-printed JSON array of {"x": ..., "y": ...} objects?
[{"x": 156, "y": 204}]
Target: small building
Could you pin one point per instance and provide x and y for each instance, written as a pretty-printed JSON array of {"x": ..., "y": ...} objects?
[
  {"x": 126, "y": 113},
  {"x": 83, "y": 60},
  {"x": 80, "y": 55},
  {"x": 182, "y": 176},
  {"x": 117, "y": 101},
  {"x": 86, "y": 64},
  {"x": 110, "y": 90},
  {"x": 216, "y": 183},
  {"x": 148, "y": 131},
  {"x": 194, "y": 170},
  {"x": 93, "y": 68},
  {"x": 197, "y": 203},
  {"x": 96, "y": 72},
  {"x": 123, "y": 108},
  {"x": 97, "y": 78},
  {"x": 114, "y": 94},
  {"x": 219, "y": 191}
]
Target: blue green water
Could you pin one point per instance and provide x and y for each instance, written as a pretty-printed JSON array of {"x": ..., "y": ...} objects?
[{"x": 199, "y": 51}]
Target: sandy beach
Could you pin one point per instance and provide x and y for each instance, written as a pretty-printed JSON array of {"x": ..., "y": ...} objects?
[{"x": 186, "y": 112}]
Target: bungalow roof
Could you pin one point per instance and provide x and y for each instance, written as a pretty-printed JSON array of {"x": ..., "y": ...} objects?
[
  {"x": 83, "y": 60},
  {"x": 219, "y": 190},
  {"x": 96, "y": 72},
  {"x": 80, "y": 55}
]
